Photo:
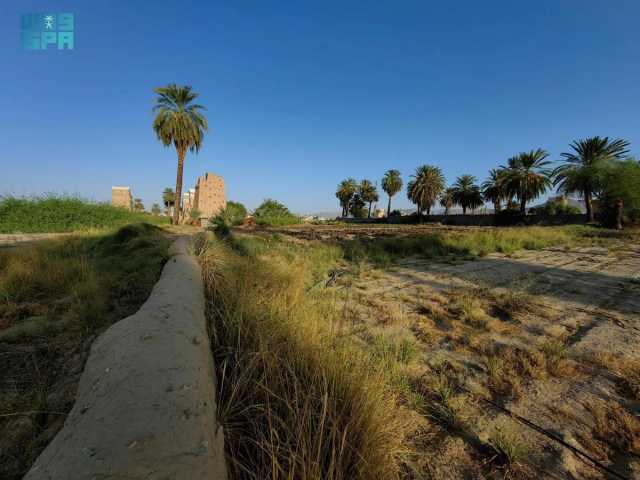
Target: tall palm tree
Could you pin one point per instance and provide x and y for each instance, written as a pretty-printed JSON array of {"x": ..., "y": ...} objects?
[
  {"x": 466, "y": 193},
  {"x": 180, "y": 122},
  {"x": 446, "y": 200},
  {"x": 345, "y": 192},
  {"x": 528, "y": 176},
  {"x": 582, "y": 170},
  {"x": 494, "y": 189},
  {"x": 391, "y": 184},
  {"x": 368, "y": 193},
  {"x": 426, "y": 186}
]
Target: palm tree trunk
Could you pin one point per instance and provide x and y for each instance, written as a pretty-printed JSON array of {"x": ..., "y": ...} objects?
[
  {"x": 496, "y": 206},
  {"x": 523, "y": 205},
  {"x": 588, "y": 205},
  {"x": 619, "y": 207},
  {"x": 370, "y": 209},
  {"x": 178, "y": 197},
  {"x": 389, "y": 207},
  {"x": 464, "y": 210}
]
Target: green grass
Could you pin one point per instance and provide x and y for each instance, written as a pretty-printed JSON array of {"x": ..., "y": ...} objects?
[
  {"x": 55, "y": 298},
  {"x": 294, "y": 399},
  {"x": 53, "y": 214},
  {"x": 382, "y": 251}
]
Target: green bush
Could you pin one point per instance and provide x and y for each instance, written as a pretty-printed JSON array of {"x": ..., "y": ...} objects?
[
  {"x": 272, "y": 212},
  {"x": 555, "y": 208},
  {"x": 65, "y": 214},
  {"x": 621, "y": 182}
]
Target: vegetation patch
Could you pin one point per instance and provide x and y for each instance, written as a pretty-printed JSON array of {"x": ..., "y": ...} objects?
[
  {"x": 55, "y": 298},
  {"x": 295, "y": 400},
  {"x": 53, "y": 214}
]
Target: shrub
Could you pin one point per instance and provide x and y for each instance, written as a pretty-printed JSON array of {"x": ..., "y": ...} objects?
[
  {"x": 555, "y": 209},
  {"x": 272, "y": 212},
  {"x": 621, "y": 182}
]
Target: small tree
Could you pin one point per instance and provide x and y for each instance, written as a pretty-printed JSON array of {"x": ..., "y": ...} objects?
[
  {"x": 155, "y": 209},
  {"x": 138, "y": 206},
  {"x": 620, "y": 197},
  {"x": 168, "y": 198},
  {"x": 272, "y": 212}
]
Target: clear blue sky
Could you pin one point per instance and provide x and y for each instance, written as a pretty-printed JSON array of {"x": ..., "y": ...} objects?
[{"x": 303, "y": 94}]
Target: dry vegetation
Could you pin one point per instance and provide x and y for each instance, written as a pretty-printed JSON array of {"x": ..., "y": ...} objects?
[
  {"x": 426, "y": 351},
  {"x": 55, "y": 298}
]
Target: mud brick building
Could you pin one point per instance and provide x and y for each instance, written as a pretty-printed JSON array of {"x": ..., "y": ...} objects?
[
  {"x": 209, "y": 198},
  {"x": 121, "y": 197}
]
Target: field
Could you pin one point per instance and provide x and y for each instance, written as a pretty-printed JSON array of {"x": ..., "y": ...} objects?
[
  {"x": 476, "y": 352},
  {"x": 56, "y": 214},
  {"x": 56, "y": 297}
]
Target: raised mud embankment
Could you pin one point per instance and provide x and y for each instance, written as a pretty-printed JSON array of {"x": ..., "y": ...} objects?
[{"x": 145, "y": 407}]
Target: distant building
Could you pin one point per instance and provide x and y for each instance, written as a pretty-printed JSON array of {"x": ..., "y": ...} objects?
[
  {"x": 188, "y": 200},
  {"x": 121, "y": 197},
  {"x": 209, "y": 198}
]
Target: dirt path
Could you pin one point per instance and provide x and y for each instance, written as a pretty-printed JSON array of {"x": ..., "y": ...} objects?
[{"x": 13, "y": 239}]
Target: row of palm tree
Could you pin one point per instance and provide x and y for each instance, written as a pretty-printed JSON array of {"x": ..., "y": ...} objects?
[{"x": 523, "y": 179}]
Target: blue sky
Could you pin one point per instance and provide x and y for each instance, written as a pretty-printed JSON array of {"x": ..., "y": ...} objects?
[{"x": 303, "y": 94}]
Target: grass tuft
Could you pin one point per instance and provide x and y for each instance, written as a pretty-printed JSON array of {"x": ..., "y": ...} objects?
[{"x": 294, "y": 400}]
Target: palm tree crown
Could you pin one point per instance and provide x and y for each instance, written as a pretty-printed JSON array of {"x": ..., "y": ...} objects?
[
  {"x": 179, "y": 122},
  {"x": 368, "y": 193},
  {"x": 528, "y": 177},
  {"x": 582, "y": 171},
  {"x": 494, "y": 189},
  {"x": 391, "y": 184},
  {"x": 425, "y": 187},
  {"x": 466, "y": 193},
  {"x": 345, "y": 192},
  {"x": 446, "y": 200}
]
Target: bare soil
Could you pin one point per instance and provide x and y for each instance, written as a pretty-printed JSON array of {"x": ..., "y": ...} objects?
[{"x": 552, "y": 335}]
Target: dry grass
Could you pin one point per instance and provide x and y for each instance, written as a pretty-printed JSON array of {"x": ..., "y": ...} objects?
[
  {"x": 509, "y": 368},
  {"x": 295, "y": 402},
  {"x": 55, "y": 297},
  {"x": 625, "y": 370},
  {"x": 556, "y": 353},
  {"x": 615, "y": 427},
  {"x": 512, "y": 453}
]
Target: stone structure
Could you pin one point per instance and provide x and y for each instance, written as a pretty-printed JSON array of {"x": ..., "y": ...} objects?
[
  {"x": 121, "y": 197},
  {"x": 209, "y": 198}
]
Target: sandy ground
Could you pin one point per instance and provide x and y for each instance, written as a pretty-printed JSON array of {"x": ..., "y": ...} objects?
[{"x": 586, "y": 299}]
